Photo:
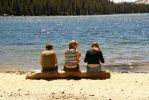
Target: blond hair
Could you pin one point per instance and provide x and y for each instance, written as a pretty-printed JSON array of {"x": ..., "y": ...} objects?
[{"x": 72, "y": 43}]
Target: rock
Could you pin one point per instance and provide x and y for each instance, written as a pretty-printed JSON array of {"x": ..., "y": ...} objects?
[
  {"x": 91, "y": 95},
  {"x": 27, "y": 94},
  {"x": 10, "y": 95},
  {"x": 63, "y": 92},
  {"x": 19, "y": 89}
]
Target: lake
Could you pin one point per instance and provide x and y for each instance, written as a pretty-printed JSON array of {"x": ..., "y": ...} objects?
[{"x": 124, "y": 40}]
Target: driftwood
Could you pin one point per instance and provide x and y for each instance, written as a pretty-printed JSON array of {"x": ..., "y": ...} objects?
[{"x": 68, "y": 75}]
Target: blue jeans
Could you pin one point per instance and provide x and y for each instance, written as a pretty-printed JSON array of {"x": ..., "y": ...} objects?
[{"x": 94, "y": 70}]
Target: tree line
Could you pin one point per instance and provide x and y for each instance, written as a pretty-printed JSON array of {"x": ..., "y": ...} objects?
[{"x": 68, "y": 7}]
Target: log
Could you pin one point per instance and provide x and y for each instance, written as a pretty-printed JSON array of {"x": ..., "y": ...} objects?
[{"x": 68, "y": 75}]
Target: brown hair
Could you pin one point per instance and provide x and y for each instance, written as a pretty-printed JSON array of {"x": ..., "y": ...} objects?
[
  {"x": 72, "y": 43},
  {"x": 49, "y": 46},
  {"x": 95, "y": 44}
]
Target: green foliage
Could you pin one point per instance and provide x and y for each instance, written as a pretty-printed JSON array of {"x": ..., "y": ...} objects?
[{"x": 68, "y": 7}]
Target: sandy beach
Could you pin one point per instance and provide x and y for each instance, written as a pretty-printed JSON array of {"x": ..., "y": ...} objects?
[{"x": 121, "y": 86}]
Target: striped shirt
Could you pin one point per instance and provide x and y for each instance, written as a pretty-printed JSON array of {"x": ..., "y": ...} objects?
[{"x": 71, "y": 57}]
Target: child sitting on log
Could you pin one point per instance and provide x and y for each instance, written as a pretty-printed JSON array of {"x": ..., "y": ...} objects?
[
  {"x": 72, "y": 57},
  {"x": 93, "y": 58},
  {"x": 48, "y": 59}
]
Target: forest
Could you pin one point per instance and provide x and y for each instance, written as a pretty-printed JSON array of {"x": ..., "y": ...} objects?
[{"x": 68, "y": 7}]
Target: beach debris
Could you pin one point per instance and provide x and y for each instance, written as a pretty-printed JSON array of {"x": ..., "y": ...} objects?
[
  {"x": 63, "y": 92},
  {"x": 20, "y": 72},
  {"x": 27, "y": 94},
  {"x": 91, "y": 95},
  {"x": 19, "y": 89},
  {"x": 10, "y": 95}
]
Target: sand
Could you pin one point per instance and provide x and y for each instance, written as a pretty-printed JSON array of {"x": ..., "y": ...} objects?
[{"x": 121, "y": 86}]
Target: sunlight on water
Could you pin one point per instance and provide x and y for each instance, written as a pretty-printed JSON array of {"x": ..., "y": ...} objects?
[{"x": 124, "y": 39}]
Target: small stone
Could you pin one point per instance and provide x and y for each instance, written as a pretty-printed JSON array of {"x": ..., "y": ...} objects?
[
  {"x": 10, "y": 95},
  {"x": 19, "y": 89},
  {"x": 27, "y": 94},
  {"x": 63, "y": 92},
  {"x": 91, "y": 95}
]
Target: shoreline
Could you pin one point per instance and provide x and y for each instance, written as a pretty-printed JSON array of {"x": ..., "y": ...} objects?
[
  {"x": 38, "y": 70},
  {"x": 127, "y": 86},
  {"x": 73, "y": 15},
  {"x": 109, "y": 68}
]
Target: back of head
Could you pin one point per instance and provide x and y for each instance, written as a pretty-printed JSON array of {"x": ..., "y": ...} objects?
[
  {"x": 72, "y": 44},
  {"x": 49, "y": 46},
  {"x": 95, "y": 46}
]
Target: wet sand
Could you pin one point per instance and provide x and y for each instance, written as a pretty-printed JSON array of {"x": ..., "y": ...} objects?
[{"x": 121, "y": 86}]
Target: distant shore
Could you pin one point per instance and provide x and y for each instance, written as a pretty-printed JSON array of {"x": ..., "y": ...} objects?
[
  {"x": 124, "y": 86},
  {"x": 7, "y": 15},
  {"x": 77, "y": 7}
]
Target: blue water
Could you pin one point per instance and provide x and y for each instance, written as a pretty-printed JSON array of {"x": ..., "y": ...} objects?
[{"x": 124, "y": 39}]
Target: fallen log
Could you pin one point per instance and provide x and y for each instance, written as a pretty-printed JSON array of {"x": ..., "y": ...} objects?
[{"x": 68, "y": 75}]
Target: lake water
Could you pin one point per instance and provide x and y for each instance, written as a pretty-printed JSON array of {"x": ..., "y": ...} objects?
[{"x": 124, "y": 40}]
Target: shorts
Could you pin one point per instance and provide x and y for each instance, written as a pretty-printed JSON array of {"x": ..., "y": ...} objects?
[
  {"x": 94, "y": 70},
  {"x": 77, "y": 69},
  {"x": 51, "y": 69}
]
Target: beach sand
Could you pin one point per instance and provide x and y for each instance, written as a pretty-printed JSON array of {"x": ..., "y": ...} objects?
[{"x": 121, "y": 86}]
